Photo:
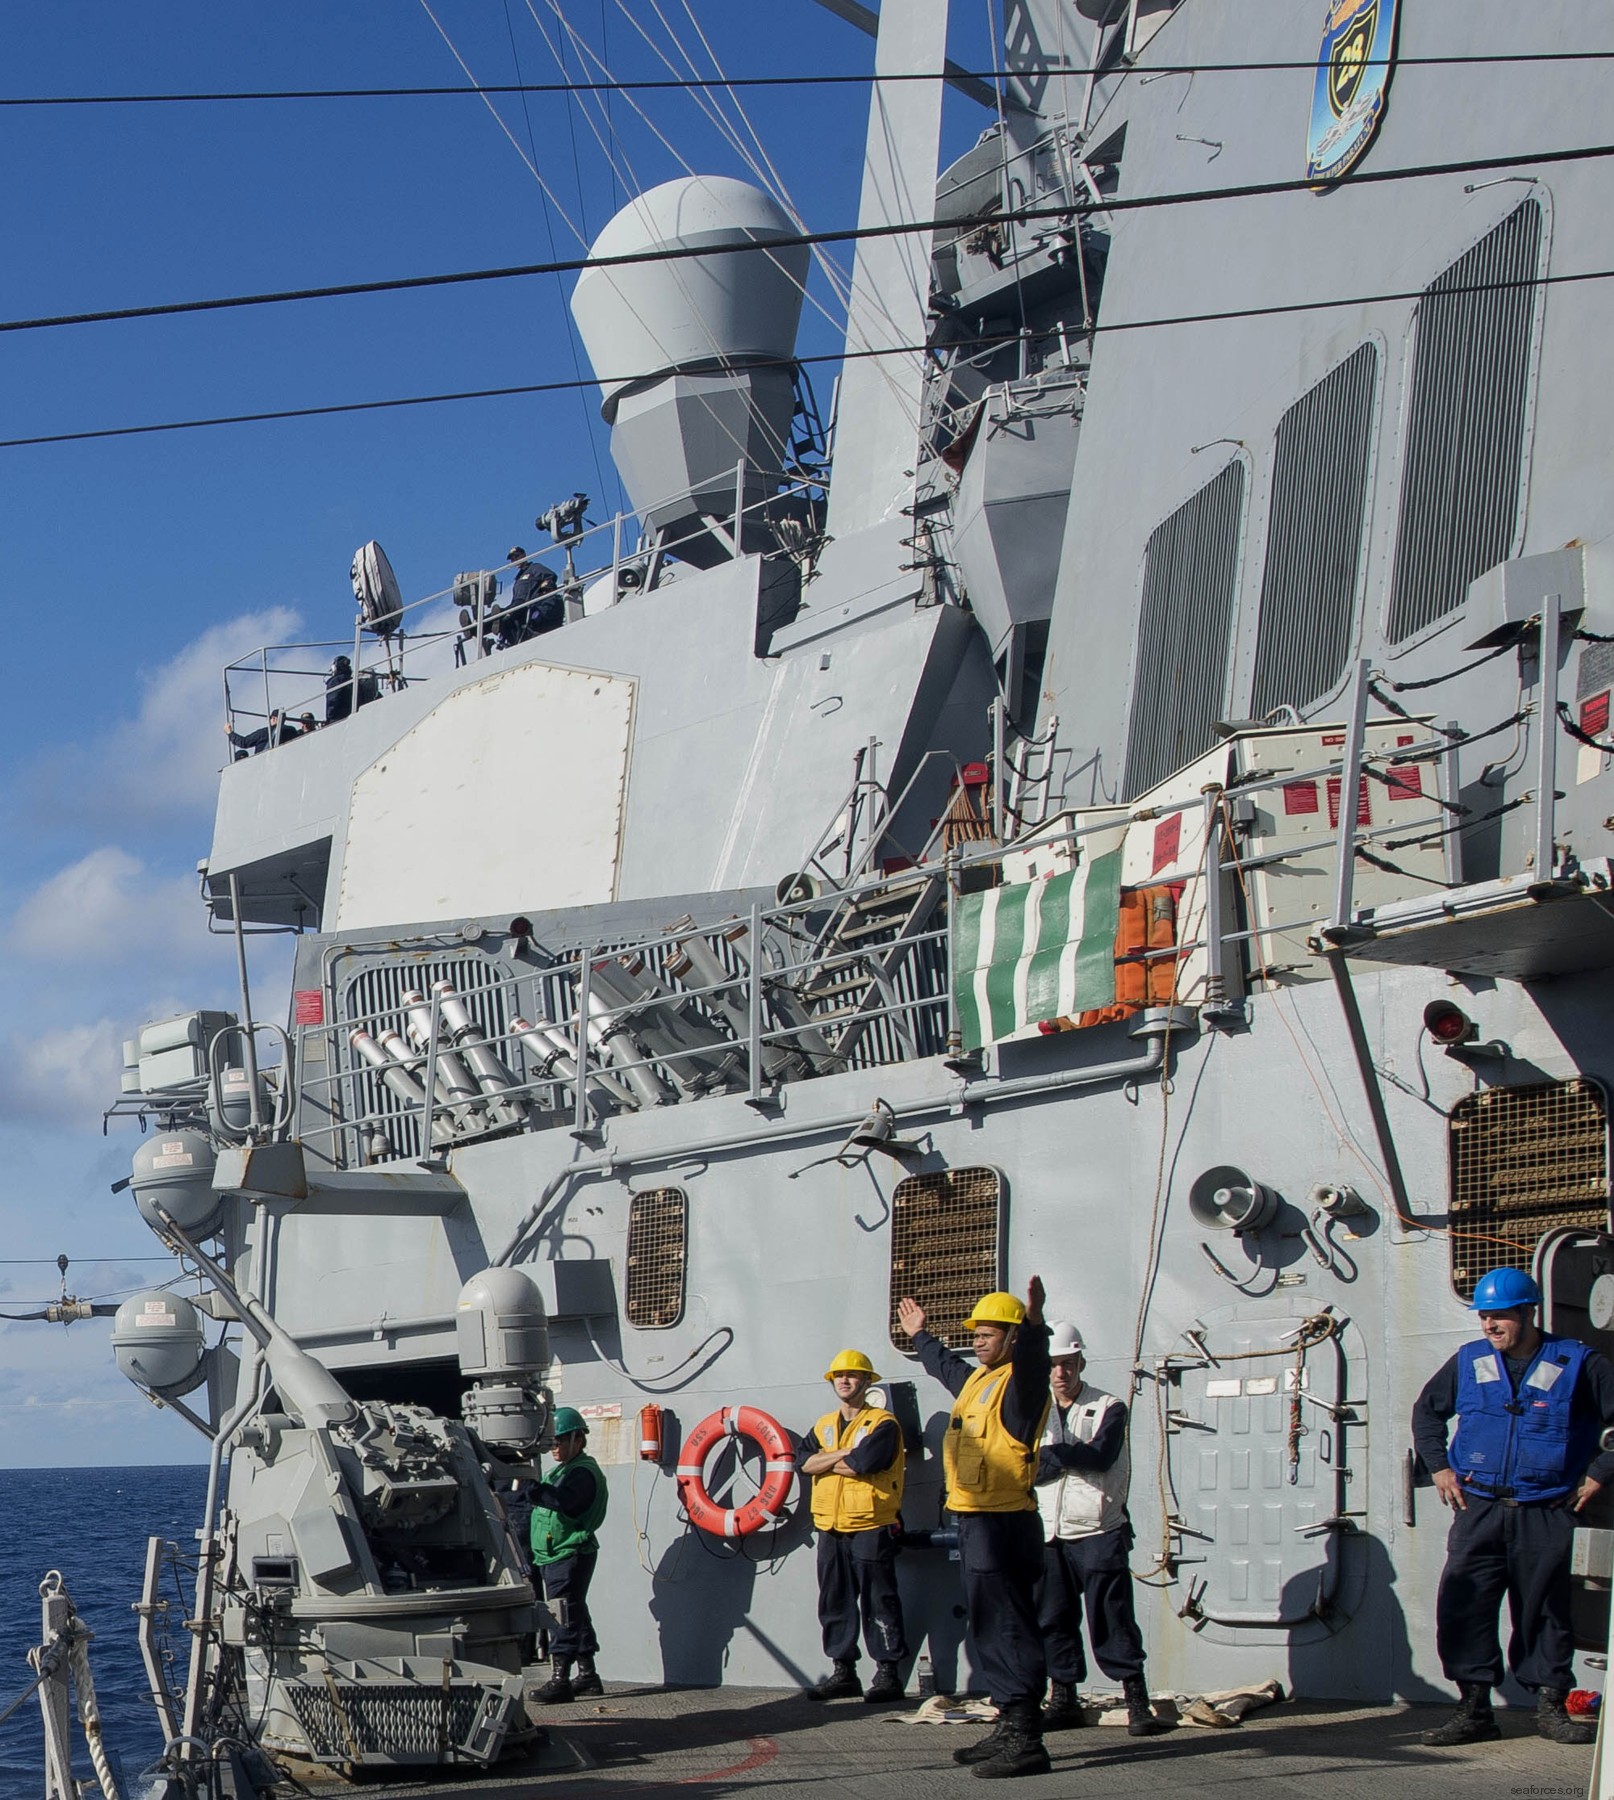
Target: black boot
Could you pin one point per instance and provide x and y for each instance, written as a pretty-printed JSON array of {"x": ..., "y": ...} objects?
[
  {"x": 1063, "y": 1711},
  {"x": 1022, "y": 1751},
  {"x": 1553, "y": 1720},
  {"x": 587, "y": 1682},
  {"x": 886, "y": 1685},
  {"x": 841, "y": 1683},
  {"x": 557, "y": 1690},
  {"x": 1140, "y": 1718},
  {"x": 1473, "y": 1722},
  {"x": 985, "y": 1747}
]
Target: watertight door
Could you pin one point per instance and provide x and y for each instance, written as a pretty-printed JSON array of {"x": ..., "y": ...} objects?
[{"x": 1259, "y": 1442}]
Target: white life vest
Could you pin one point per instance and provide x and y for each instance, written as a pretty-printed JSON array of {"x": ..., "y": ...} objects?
[{"x": 1083, "y": 1502}]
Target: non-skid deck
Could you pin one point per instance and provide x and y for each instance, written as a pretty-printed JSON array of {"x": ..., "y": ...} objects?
[{"x": 739, "y": 1741}]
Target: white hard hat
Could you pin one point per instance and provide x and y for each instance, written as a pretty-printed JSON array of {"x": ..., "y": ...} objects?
[{"x": 1065, "y": 1340}]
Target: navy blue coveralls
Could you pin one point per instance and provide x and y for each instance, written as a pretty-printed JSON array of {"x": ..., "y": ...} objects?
[
  {"x": 857, "y": 1570},
  {"x": 565, "y": 1583},
  {"x": 1000, "y": 1554},
  {"x": 1520, "y": 1455},
  {"x": 1094, "y": 1569}
]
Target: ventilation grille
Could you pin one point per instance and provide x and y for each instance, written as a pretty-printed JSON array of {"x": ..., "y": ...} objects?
[
  {"x": 1524, "y": 1161},
  {"x": 1314, "y": 536},
  {"x": 658, "y": 1246},
  {"x": 945, "y": 1230},
  {"x": 379, "y": 1722},
  {"x": 1461, "y": 484},
  {"x": 1185, "y": 631}
]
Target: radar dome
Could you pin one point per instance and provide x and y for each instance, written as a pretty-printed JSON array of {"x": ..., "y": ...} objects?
[{"x": 641, "y": 320}]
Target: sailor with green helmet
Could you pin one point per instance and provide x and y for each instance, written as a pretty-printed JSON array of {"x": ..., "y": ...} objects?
[
  {"x": 1524, "y": 1460},
  {"x": 566, "y": 1513}
]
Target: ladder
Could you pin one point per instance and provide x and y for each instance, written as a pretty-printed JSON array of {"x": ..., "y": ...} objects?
[{"x": 858, "y": 954}]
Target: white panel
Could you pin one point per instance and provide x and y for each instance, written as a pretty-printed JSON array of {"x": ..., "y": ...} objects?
[{"x": 507, "y": 797}]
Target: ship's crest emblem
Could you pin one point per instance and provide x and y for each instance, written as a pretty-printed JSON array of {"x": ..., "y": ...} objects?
[{"x": 1354, "y": 65}]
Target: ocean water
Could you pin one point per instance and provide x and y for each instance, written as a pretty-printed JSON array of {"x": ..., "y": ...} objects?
[{"x": 92, "y": 1524}]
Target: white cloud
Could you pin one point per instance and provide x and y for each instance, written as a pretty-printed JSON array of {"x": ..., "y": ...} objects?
[
  {"x": 108, "y": 906},
  {"x": 163, "y": 761},
  {"x": 69, "y": 1075}
]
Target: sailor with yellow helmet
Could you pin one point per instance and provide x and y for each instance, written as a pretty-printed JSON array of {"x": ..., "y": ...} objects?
[
  {"x": 857, "y": 1465},
  {"x": 990, "y": 1455}
]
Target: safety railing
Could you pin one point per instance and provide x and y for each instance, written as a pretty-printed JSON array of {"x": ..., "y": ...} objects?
[
  {"x": 742, "y": 1004},
  {"x": 277, "y": 687}
]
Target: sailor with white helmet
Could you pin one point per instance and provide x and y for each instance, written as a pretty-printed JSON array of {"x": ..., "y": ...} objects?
[
  {"x": 1524, "y": 1460},
  {"x": 990, "y": 1457},
  {"x": 857, "y": 1464},
  {"x": 1083, "y": 1472}
]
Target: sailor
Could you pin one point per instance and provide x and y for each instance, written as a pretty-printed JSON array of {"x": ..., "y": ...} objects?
[
  {"x": 566, "y": 1514},
  {"x": 279, "y": 730},
  {"x": 339, "y": 690},
  {"x": 535, "y": 603},
  {"x": 857, "y": 1469},
  {"x": 1083, "y": 1471},
  {"x": 990, "y": 1458},
  {"x": 1523, "y": 1462}
]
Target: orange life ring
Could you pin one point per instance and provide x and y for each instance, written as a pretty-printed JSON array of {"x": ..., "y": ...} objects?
[{"x": 779, "y": 1471}]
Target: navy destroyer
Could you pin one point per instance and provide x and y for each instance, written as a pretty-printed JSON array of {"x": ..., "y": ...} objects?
[{"x": 1128, "y": 800}]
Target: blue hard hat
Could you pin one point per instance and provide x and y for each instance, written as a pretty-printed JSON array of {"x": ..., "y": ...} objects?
[{"x": 1500, "y": 1289}]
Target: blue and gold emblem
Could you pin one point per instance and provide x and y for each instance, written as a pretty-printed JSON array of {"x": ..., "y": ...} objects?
[{"x": 1354, "y": 66}]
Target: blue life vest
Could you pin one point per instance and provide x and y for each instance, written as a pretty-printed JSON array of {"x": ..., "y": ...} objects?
[{"x": 1526, "y": 1446}]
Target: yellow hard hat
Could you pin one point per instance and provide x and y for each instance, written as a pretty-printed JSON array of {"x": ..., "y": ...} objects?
[
  {"x": 996, "y": 1309},
  {"x": 851, "y": 1362}
]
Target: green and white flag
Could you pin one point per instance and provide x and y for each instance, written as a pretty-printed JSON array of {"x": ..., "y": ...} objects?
[{"x": 1035, "y": 950}]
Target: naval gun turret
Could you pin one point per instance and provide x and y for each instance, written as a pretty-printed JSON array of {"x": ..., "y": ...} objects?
[{"x": 372, "y": 1605}]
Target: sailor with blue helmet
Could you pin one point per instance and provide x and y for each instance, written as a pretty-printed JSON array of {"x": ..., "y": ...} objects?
[{"x": 1523, "y": 1461}]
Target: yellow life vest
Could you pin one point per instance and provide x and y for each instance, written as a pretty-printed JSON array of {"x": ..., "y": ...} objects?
[
  {"x": 988, "y": 1469},
  {"x": 857, "y": 1502}
]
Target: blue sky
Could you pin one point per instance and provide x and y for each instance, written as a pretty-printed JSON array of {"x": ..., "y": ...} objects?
[{"x": 132, "y": 569}]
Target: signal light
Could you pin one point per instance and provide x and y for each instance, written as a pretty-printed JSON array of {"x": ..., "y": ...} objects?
[{"x": 1448, "y": 1025}]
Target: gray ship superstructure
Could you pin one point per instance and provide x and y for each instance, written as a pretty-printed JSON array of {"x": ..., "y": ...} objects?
[{"x": 1132, "y": 806}]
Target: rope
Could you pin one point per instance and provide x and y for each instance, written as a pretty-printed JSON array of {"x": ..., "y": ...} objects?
[
  {"x": 1592, "y": 637},
  {"x": 1399, "y": 783},
  {"x": 89, "y": 1713},
  {"x": 1479, "y": 662},
  {"x": 1571, "y": 725},
  {"x": 1430, "y": 837},
  {"x": 1390, "y": 868}
]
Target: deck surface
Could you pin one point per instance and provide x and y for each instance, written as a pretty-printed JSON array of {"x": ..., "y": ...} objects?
[{"x": 719, "y": 1741}]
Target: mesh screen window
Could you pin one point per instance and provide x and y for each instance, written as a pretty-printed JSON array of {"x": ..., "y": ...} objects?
[
  {"x": 1462, "y": 481},
  {"x": 945, "y": 1230},
  {"x": 658, "y": 1247},
  {"x": 1523, "y": 1161}
]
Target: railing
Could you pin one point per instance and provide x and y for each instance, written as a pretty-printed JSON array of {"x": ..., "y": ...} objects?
[
  {"x": 593, "y": 570},
  {"x": 478, "y": 1049}
]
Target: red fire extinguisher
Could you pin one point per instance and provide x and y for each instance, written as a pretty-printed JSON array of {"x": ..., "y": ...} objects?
[{"x": 650, "y": 1435}]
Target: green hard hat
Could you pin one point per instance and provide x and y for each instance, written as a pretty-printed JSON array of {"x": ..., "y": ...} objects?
[{"x": 567, "y": 1420}]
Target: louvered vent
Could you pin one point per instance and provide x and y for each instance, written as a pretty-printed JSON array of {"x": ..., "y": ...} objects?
[
  {"x": 658, "y": 1247},
  {"x": 1185, "y": 629},
  {"x": 1524, "y": 1161},
  {"x": 1463, "y": 476},
  {"x": 945, "y": 1230},
  {"x": 1314, "y": 536}
]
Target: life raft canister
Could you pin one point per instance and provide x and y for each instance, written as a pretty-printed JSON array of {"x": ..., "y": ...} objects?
[{"x": 779, "y": 1470}]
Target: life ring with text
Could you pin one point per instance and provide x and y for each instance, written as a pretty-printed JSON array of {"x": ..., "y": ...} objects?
[{"x": 779, "y": 1470}]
